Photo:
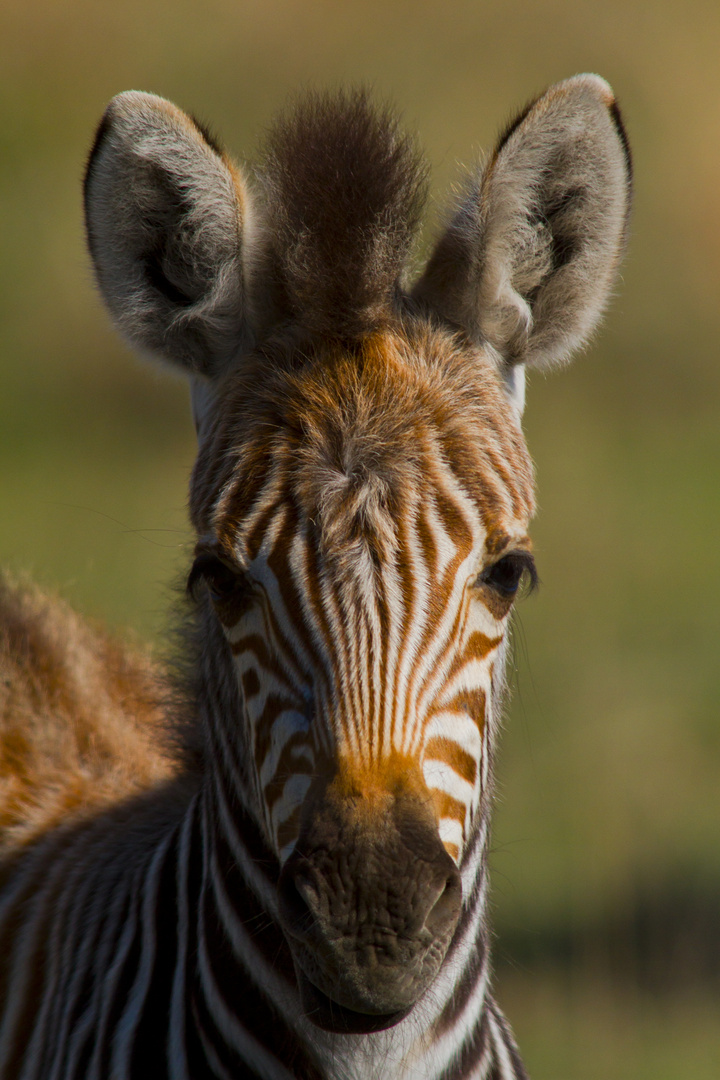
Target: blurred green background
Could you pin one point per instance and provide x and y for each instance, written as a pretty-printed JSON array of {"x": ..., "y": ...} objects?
[{"x": 607, "y": 840}]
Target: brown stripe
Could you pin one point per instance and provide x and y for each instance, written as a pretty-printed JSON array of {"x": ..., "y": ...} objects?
[
  {"x": 274, "y": 707},
  {"x": 479, "y": 645},
  {"x": 470, "y": 1053},
  {"x": 149, "y": 1052},
  {"x": 41, "y": 924},
  {"x": 289, "y": 764},
  {"x": 443, "y": 749},
  {"x": 448, "y": 807},
  {"x": 470, "y": 702},
  {"x": 462, "y": 991},
  {"x": 264, "y": 932},
  {"x": 289, "y": 830}
]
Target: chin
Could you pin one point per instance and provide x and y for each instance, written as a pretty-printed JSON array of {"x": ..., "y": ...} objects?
[{"x": 327, "y": 1014}]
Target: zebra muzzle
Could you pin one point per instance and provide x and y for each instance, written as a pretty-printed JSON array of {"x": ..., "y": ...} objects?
[{"x": 369, "y": 902}]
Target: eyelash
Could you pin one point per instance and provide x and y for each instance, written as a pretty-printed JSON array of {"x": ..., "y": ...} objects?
[{"x": 506, "y": 575}]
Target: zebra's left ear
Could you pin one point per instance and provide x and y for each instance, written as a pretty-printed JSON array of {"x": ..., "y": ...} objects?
[{"x": 527, "y": 262}]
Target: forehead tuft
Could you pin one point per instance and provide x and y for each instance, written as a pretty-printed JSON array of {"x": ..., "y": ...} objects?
[{"x": 349, "y": 437}]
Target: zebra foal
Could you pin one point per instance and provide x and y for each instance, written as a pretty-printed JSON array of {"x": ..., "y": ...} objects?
[{"x": 300, "y": 890}]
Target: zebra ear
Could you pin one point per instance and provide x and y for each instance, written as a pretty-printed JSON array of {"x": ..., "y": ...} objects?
[
  {"x": 166, "y": 215},
  {"x": 527, "y": 263}
]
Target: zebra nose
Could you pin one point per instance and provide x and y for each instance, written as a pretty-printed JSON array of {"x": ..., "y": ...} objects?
[
  {"x": 369, "y": 912},
  {"x": 444, "y": 907},
  {"x": 304, "y": 903},
  {"x": 316, "y": 890}
]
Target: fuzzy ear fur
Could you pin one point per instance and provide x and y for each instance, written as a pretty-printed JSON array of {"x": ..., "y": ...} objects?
[
  {"x": 527, "y": 263},
  {"x": 167, "y": 217}
]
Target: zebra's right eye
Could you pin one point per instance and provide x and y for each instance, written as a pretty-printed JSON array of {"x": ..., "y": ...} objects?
[
  {"x": 505, "y": 575},
  {"x": 223, "y": 582}
]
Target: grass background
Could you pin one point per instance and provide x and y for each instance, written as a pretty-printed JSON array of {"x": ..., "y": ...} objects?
[{"x": 607, "y": 852}]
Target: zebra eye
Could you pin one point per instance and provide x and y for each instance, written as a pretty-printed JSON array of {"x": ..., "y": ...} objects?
[
  {"x": 505, "y": 575},
  {"x": 222, "y": 581}
]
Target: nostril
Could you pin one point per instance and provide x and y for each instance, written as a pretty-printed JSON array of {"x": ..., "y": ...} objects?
[
  {"x": 296, "y": 895},
  {"x": 446, "y": 908}
]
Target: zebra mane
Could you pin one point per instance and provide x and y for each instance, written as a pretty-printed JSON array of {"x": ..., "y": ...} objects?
[{"x": 345, "y": 190}]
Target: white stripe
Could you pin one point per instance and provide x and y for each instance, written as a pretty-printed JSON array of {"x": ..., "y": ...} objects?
[
  {"x": 474, "y": 675},
  {"x": 507, "y": 1071},
  {"x": 122, "y": 1043},
  {"x": 294, "y": 792},
  {"x": 78, "y": 961},
  {"x": 176, "y": 1047},
  {"x": 449, "y": 1043},
  {"x": 234, "y": 1034},
  {"x": 284, "y": 727},
  {"x": 59, "y": 952},
  {"x": 280, "y": 992},
  {"x": 21, "y": 972},
  {"x": 85, "y": 1027},
  {"x": 457, "y": 727},
  {"x": 252, "y": 877},
  {"x": 451, "y": 832},
  {"x": 106, "y": 991},
  {"x": 442, "y": 777}
]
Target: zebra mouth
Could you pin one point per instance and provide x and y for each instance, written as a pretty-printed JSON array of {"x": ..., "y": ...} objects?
[{"x": 328, "y": 1015}]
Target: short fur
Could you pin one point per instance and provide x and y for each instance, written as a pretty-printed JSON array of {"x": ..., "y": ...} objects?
[{"x": 345, "y": 190}]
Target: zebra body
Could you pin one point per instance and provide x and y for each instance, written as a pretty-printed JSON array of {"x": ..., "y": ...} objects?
[{"x": 303, "y": 892}]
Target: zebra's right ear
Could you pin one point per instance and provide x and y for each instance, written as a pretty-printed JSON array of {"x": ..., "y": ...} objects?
[{"x": 167, "y": 216}]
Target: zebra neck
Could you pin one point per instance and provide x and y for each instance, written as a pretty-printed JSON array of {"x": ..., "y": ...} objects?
[{"x": 243, "y": 1009}]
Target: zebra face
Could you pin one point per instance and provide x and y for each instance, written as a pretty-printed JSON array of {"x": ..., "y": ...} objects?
[{"x": 363, "y": 535}]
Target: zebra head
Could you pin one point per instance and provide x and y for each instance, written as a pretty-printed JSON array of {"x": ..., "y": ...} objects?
[{"x": 362, "y": 491}]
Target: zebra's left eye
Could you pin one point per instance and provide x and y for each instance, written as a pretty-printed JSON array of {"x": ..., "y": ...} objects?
[
  {"x": 505, "y": 575},
  {"x": 223, "y": 582}
]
